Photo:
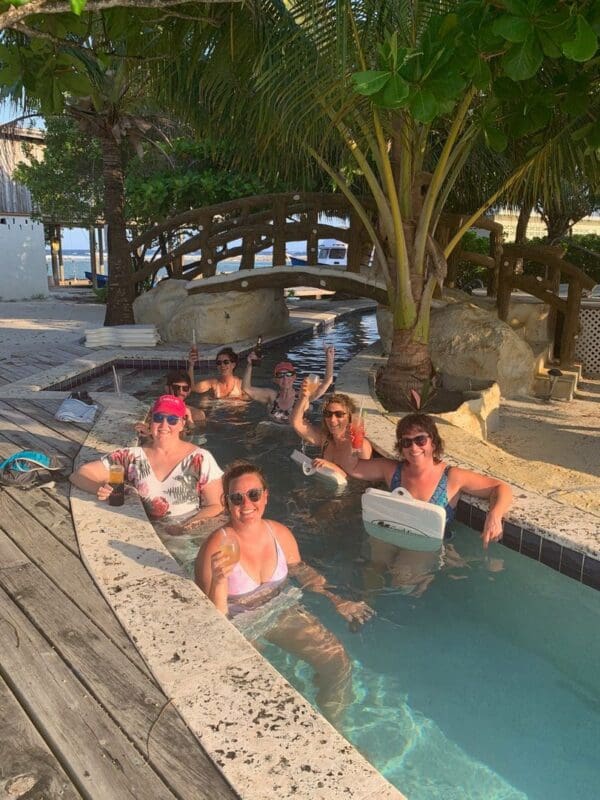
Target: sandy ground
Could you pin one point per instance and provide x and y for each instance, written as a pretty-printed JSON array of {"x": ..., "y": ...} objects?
[{"x": 552, "y": 448}]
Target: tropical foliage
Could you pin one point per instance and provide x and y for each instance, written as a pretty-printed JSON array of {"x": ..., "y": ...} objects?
[{"x": 404, "y": 93}]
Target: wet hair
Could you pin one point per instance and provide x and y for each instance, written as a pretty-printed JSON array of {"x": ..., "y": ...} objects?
[
  {"x": 231, "y": 354},
  {"x": 177, "y": 376},
  {"x": 424, "y": 423},
  {"x": 339, "y": 399},
  {"x": 236, "y": 469}
]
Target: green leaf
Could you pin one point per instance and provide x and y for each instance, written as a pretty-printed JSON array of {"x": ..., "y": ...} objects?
[
  {"x": 394, "y": 94},
  {"x": 370, "y": 82},
  {"x": 481, "y": 74},
  {"x": 514, "y": 29},
  {"x": 523, "y": 60},
  {"x": 549, "y": 46},
  {"x": 423, "y": 105},
  {"x": 77, "y": 6},
  {"x": 446, "y": 87},
  {"x": 585, "y": 43},
  {"x": 517, "y": 7},
  {"x": 495, "y": 139}
]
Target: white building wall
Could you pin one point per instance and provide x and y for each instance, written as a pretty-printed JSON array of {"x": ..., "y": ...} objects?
[{"x": 23, "y": 272}]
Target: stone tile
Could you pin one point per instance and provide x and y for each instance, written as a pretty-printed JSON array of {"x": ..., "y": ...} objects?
[
  {"x": 463, "y": 512},
  {"x": 550, "y": 554},
  {"x": 591, "y": 572},
  {"x": 478, "y": 516},
  {"x": 531, "y": 544},
  {"x": 571, "y": 563},
  {"x": 511, "y": 536}
]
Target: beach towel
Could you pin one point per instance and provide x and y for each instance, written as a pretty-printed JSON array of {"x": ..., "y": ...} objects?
[{"x": 75, "y": 410}]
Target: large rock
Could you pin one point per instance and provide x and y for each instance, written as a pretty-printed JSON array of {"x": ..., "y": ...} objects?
[
  {"x": 215, "y": 317},
  {"x": 469, "y": 343}
]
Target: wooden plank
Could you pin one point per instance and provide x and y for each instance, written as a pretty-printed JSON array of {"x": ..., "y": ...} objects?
[
  {"x": 28, "y": 768},
  {"x": 45, "y": 509},
  {"x": 134, "y": 702},
  {"x": 11, "y": 419},
  {"x": 63, "y": 568},
  {"x": 101, "y": 761},
  {"x": 37, "y": 411}
]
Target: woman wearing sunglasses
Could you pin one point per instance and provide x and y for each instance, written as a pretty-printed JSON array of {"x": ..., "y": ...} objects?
[
  {"x": 249, "y": 584},
  {"x": 334, "y": 437},
  {"x": 422, "y": 472},
  {"x": 178, "y": 384},
  {"x": 226, "y": 384},
  {"x": 178, "y": 483},
  {"x": 280, "y": 401}
]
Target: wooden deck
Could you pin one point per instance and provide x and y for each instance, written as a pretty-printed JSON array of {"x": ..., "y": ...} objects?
[{"x": 80, "y": 715}]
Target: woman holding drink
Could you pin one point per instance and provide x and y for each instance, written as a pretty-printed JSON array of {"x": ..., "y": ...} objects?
[
  {"x": 226, "y": 385},
  {"x": 248, "y": 583},
  {"x": 178, "y": 482},
  {"x": 280, "y": 401},
  {"x": 341, "y": 436}
]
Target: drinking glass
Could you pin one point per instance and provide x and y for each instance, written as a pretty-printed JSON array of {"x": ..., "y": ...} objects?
[
  {"x": 357, "y": 431},
  {"x": 312, "y": 383},
  {"x": 229, "y": 546},
  {"x": 116, "y": 480}
]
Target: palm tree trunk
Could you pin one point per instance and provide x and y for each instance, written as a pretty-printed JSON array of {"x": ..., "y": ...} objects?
[
  {"x": 409, "y": 367},
  {"x": 121, "y": 291}
]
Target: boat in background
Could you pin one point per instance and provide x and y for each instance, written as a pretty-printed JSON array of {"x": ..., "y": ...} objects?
[
  {"x": 101, "y": 280},
  {"x": 331, "y": 253}
]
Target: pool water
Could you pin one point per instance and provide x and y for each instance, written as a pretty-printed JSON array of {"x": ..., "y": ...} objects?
[{"x": 479, "y": 677}]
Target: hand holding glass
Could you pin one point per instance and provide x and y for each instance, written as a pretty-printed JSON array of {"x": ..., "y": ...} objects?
[
  {"x": 357, "y": 431},
  {"x": 116, "y": 480},
  {"x": 229, "y": 546},
  {"x": 312, "y": 383}
]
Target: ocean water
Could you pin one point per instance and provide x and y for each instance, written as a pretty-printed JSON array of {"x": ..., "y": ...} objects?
[{"x": 77, "y": 263}]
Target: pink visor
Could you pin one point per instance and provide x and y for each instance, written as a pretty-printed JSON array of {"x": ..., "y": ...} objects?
[
  {"x": 284, "y": 366},
  {"x": 169, "y": 404}
]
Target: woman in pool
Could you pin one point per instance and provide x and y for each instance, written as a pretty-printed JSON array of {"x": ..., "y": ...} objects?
[
  {"x": 423, "y": 473},
  {"x": 178, "y": 385},
  {"x": 334, "y": 436},
  {"x": 178, "y": 483},
  {"x": 251, "y": 588},
  {"x": 226, "y": 384},
  {"x": 280, "y": 401}
]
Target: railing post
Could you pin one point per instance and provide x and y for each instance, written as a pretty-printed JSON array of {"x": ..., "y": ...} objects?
[
  {"x": 571, "y": 325},
  {"x": 312, "y": 241},
  {"x": 354, "y": 253},
  {"x": 208, "y": 263},
  {"x": 504, "y": 286},
  {"x": 247, "y": 260},
  {"x": 279, "y": 243}
]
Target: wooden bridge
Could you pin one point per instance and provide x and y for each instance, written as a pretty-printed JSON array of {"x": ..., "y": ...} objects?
[{"x": 246, "y": 227}]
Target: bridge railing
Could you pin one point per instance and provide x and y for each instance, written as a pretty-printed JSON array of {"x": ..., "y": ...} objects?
[{"x": 260, "y": 222}]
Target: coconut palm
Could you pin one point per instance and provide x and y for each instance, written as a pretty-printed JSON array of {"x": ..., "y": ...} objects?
[{"x": 402, "y": 93}]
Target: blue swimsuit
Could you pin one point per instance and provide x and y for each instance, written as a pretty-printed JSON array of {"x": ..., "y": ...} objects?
[{"x": 440, "y": 493}]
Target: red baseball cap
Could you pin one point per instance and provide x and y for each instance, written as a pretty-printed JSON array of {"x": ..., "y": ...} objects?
[
  {"x": 284, "y": 366},
  {"x": 169, "y": 404}
]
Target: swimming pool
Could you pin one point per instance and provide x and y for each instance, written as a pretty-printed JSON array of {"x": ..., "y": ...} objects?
[{"x": 485, "y": 686}]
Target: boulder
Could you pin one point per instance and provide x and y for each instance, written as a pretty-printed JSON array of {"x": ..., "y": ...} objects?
[
  {"x": 468, "y": 343},
  {"x": 216, "y": 317}
]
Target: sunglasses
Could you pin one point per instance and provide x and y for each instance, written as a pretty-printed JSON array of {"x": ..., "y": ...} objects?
[
  {"x": 172, "y": 419},
  {"x": 180, "y": 387},
  {"x": 336, "y": 414},
  {"x": 237, "y": 498},
  {"x": 420, "y": 440},
  {"x": 288, "y": 373},
  {"x": 222, "y": 362}
]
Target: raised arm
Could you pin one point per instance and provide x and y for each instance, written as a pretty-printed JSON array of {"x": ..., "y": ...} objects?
[
  {"x": 265, "y": 396},
  {"x": 304, "y": 429},
  {"x": 328, "y": 380},
  {"x": 498, "y": 493}
]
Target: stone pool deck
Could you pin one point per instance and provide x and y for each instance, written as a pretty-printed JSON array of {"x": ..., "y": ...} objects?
[{"x": 266, "y": 740}]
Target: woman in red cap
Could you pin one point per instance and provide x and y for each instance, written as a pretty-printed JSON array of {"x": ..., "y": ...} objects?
[
  {"x": 280, "y": 401},
  {"x": 178, "y": 482}
]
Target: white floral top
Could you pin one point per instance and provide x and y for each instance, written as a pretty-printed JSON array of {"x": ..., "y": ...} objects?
[{"x": 180, "y": 493}]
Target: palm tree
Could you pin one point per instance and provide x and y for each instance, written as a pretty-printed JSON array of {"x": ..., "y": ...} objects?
[{"x": 401, "y": 92}]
